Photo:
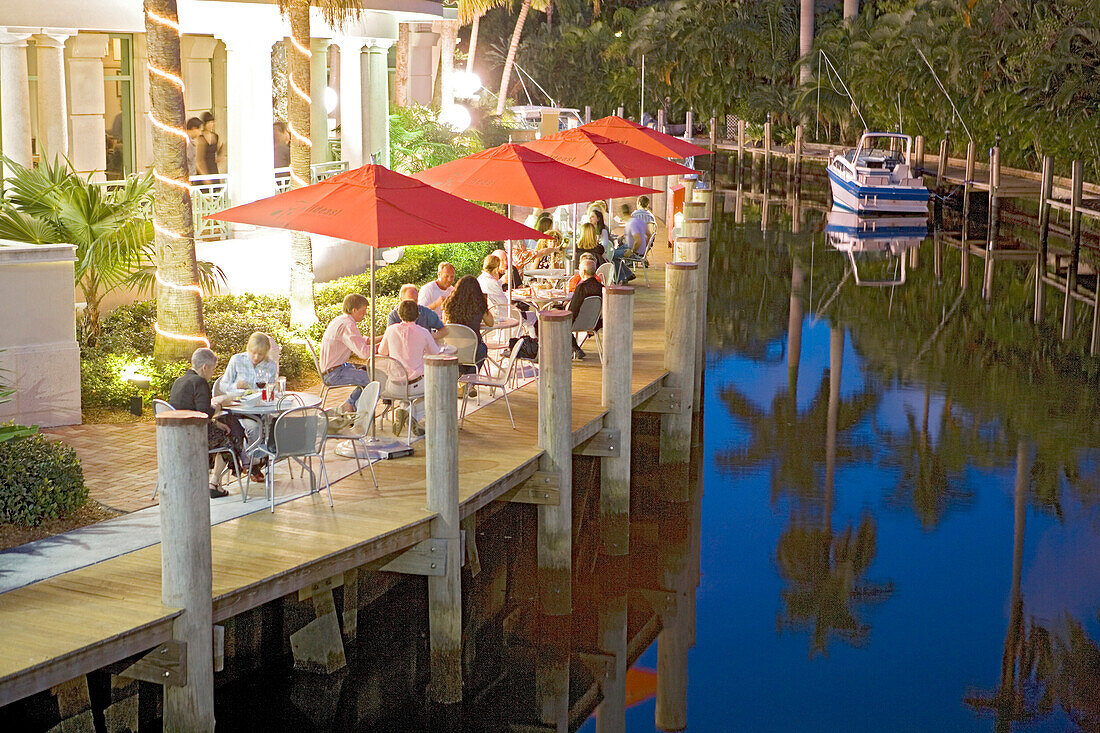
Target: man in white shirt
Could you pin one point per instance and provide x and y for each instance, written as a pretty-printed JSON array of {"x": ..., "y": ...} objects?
[
  {"x": 434, "y": 293},
  {"x": 489, "y": 280}
]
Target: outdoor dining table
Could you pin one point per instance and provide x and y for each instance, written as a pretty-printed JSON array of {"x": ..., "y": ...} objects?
[
  {"x": 548, "y": 275},
  {"x": 268, "y": 412},
  {"x": 541, "y": 301}
]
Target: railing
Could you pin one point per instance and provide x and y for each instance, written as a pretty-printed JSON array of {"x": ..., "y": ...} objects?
[
  {"x": 210, "y": 194},
  {"x": 317, "y": 172}
]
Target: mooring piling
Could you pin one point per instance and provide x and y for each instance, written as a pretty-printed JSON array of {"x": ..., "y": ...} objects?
[
  {"x": 441, "y": 476},
  {"x": 1077, "y": 179},
  {"x": 618, "y": 370},
  {"x": 186, "y": 570},
  {"x": 1045, "y": 189},
  {"x": 681, "y": 288},
  {"x": 555, "y": 522}
]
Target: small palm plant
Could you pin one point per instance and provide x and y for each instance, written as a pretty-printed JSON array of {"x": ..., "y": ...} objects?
[{"x": 52, "y": 204}]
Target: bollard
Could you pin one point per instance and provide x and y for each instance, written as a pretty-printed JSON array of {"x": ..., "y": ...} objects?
[
  {"x": 689, "y": 123},
  {"x": 681, "y": 290},
  {"x": 618, "y": 370},
  {"x": 587, "y": 114},
  {"x": 1044, "y": 233},
  {"x": 704, "y": 196},
  {"x": 964, "y": 270},
  {"x": 695, "y": 247},
  {"x": 799, "y": 141},
  {"x": 185, "y": 563},
  {"x": 555, "y": 382},
  {"x": 1076, "y": 177},
  {"x": 993, "y": 220},
  {"x": 941, "y": 162},
  {"x": 689, "y": 187},
  {"x": 661, "y": 120},
  {"x": 441, "y": 475},
  {"x": 740, "y": 146},
  {"x": 918, "y": 155}
]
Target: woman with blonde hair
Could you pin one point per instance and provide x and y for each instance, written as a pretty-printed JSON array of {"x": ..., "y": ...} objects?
[
  {"x": 589, "y": 242},
  {"x": 257, "y": 365}
]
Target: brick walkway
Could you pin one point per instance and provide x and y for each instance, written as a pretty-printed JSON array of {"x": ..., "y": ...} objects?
[{"x": 119, "y": 462}]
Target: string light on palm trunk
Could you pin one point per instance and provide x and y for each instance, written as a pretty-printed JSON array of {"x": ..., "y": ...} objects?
[
  {"x": 296, "y": 89},
  {"x": 165, "y": 76}
]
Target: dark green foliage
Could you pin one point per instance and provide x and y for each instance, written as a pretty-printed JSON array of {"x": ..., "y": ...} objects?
[
  {"x": 103, "y": 378},
  {"x": 39, "y": 480}
]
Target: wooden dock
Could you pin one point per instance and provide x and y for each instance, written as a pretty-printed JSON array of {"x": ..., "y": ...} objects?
[{"x": 66, "y": 626}]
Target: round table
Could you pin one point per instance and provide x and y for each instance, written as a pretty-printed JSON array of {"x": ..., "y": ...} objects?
[
  {"x": 268, "y": 412},
  {"x": 500, "y": 324}
]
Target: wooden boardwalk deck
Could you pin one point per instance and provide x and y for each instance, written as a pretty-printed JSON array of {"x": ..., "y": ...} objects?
[{"x": 68, "y": 625}]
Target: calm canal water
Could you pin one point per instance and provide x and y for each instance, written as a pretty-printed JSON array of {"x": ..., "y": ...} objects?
[
  {"x": 864, "y": 579},
  {"x": 900, "y": 523}
]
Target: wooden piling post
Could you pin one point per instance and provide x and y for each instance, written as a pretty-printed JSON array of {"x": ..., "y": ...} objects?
[
  {"x": 661, "y": 122},
  {"x": 1045, "y": 192},
  {"x": 964, "y": 271},
  {"x": 441, "y": 476},
  {"x": 713, "y": 135},
  {"x": 555, "y": 381},
  {"x": 799, "y": 133},
  {"x": 619, "y": 111},
  {"x": 185, "y": 561},
  {"x": 1077, "y": 176},
  {"x": 704, "y": 196},
  {"x": 993, "y": 219},
  {"x": 681, "y": 290},
  {"x": 699, "y": 229},
  {"x": 612, "y": 640},
  {"x": 768, "y": 144},
  {"x": 689, "y": 124},
  {"x": 618, "y": 370},
  {"x": 587, "y": 114},
  {"x": 941, "y": 163},
  {"x": 918, "y": 155},
  {"x": 740, "y": 145}
]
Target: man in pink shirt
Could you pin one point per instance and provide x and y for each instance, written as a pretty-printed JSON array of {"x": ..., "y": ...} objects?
[
  {"x": 342, "y": 339},
  {"x": 409, "y": 343}
]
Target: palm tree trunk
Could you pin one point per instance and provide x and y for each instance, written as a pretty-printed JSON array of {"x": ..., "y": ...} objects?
[
  {"x": 473, "y": 45},
  {"x": 448, "y": 32},
  {"x": 805, "y": 38},
  {"x": 506, "y": 76},
  {"x": 179, "y": 303},
  {"x": 302, "y": 309},
  {"x": 401, "y": 77}
]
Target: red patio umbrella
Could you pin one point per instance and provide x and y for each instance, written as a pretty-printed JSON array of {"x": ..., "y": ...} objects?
[
  {"x": 378, "y": 207},
  {"x": 516, "y": 174},
  {"x": 375, "y": 206},
  {"x": 643, "y": 138},
  {"x": 596, "y": 153}
]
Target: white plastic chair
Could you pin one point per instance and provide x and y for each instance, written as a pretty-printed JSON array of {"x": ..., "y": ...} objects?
[
  {"x": 299, "y": 435},
  {"x": 588, "y": 320},
  {"x": 464, "y": 340},
  {"x": 501, "y": 382},
  {"x": 393, "y": 379},
  {"x": 160, "y": 406},
  {"x": 606, "y": 273},
  {"x": 359, "y": 430}
]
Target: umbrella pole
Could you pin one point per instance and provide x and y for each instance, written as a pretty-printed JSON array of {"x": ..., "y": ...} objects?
[{"x": 373, "y": 423}]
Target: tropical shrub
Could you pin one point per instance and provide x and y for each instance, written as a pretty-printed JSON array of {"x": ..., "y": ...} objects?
[
  {"x": 39, "y": 480},
  {"x": 52, "y": 204},
  {"x": 418, "y": 141}
]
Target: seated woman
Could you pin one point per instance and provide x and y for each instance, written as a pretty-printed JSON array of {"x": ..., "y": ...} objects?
[
  {"x": 589, "y": 242},
  {"x": 192, "y": 392},
  {"x": 409, "y": 343},
  {"x": 469, "y": 307},
  {"x": 596, "y": 219},
  {"x": 257, "y": 364}
]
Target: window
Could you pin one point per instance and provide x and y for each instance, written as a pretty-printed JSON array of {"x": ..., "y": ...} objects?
[{"x": 118, "y": 113}]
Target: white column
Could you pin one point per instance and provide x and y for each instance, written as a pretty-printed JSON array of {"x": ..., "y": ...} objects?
[
  {"x": 15, "y": 97},
  {"x": 421, "y": 66},
  {"x": 351, "y": 101},
  {"x": 143, "y": 106},
  {"x": 251, "y": 142},
  {"x": 318, "y": 82},
  {"x": 53, "y": 111},
  {"x": 378, "y": 103},
  {"x": 86, "y": 103}
]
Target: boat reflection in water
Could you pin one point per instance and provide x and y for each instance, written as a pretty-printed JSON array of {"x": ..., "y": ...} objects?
[{"x": 871, "y": 241}]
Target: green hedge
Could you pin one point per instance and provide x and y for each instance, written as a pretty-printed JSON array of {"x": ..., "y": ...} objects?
[{"x": 39, "y": 480}]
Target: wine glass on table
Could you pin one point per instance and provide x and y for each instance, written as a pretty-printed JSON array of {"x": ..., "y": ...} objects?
[{"x": 260, "y": 383}]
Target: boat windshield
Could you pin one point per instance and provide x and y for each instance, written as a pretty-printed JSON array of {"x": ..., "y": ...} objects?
[{"x": 880, "y": 152}]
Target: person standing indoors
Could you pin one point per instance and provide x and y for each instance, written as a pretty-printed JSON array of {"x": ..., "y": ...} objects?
[
  {"x": 207, "y": 147},
  {"x": 194, "y": 129}
]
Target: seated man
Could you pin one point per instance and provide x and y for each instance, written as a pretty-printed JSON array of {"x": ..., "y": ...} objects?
[
  {"x": 636, "y": 233},
  {"x": 408, "y": 343},
  {"x": 574, "y": 281},
  {"x": 342, "y": 339},
  {"x": 589, "y": 286},
  {"x": 434, "y": 293},
  {"x": 489, "y": 280},
  {"x": 427, "y": 317},
  {"x": 192, "y": 392}
]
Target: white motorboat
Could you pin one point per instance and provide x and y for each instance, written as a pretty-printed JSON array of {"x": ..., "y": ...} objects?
[
  {"x": 877, "y": 176},
  {"x": 868, "y": 240}
]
